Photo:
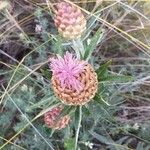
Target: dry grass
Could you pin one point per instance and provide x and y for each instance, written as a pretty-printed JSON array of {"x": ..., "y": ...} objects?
[{"x": 126, "y": 42}]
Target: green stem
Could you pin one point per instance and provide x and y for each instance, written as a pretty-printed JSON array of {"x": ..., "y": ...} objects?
[
  {"x": 79, "y": 48},
  {"x": 79, "y": 125}
]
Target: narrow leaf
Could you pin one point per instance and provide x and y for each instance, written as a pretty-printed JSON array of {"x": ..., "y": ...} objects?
[
  {"x": 100, "y": 138},
  {"x": 101, "y": 71},
  {"x": 40, "y": 103},
  {"x": 69, "y": 144},
  {"x": 98, "y": 98},
  {"x": 93, "y": 43},
  {"x": 118, "y": 78}
]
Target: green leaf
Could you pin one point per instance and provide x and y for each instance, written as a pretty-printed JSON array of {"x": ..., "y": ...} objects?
[
  {"x": 122, "y": 140},
  {"x": 108, "y": 141},
  {"x": 58, "y": 46},
  {"x": 98, "y": 98},
  {"x": 118, "y": 78},
  {"x": 86, "y": 111},
  {"x": 102, "y": 74},
  {"x": 93, "y": 43},
  {"x": 69, "y": 144},
  {"x": 101, "y": 71},
  {"x": 140, "y": 146},
  {"x": 47, "y": 101},
  {"x": 47, "y": 74},
  {"x": 100, "y": 138}
]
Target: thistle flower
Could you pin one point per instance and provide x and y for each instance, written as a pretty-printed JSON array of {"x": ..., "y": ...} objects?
[
  {"x": 69, "y": 20},
  {"x": 66, "y": 70},
  {"x": 52, "y": 120},
  {"x": 74, "y": 81}
]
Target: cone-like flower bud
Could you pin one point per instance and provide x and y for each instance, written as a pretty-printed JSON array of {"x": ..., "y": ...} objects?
[
  {"x": 74, "y": 81},
  {"x": 69, "y": 20},
  {"x": 52, "y": 120}
]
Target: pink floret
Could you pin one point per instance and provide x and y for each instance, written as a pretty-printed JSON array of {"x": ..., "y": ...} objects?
[{"x": 66, "y": 70}]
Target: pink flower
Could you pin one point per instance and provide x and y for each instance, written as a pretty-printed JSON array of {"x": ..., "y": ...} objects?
[{"x": 67, "y": 71}]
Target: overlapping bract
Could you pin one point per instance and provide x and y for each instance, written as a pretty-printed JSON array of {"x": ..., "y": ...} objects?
[
  {"x": 74, "y": 81},
  {"x": 69, "y": 20},
  {"x": 52, "y": 119}
]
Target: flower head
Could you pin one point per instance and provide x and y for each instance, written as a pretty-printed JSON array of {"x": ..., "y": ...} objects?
[
  {"x": 67, "y": 70},
  {"x": 53, "y": 120},
  {"x": 74, "y": 81},
  {"x": 69, "y": 20}
]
